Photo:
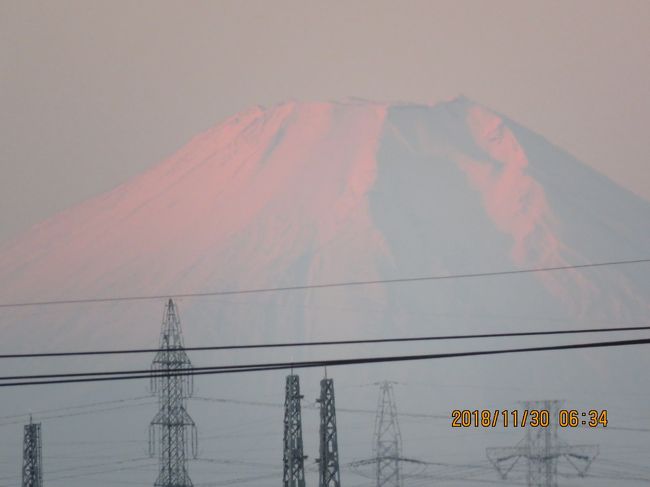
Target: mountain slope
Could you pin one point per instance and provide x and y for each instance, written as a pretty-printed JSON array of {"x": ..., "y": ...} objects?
[{"x": 307, "y": 193}]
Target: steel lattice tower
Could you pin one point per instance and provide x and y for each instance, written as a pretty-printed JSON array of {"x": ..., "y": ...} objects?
[
  {"x": 388, "y": 439},
  {"x": 32, "y": 456},
  {"x": 293, "y": 458},
  {"x": 328, "y": 463},
  {"x": 542, "y": 449},
  {"x": 172, "y": 431}
]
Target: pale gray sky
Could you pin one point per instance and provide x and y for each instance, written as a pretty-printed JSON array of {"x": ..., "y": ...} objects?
[{"x": 93, "y": 92}]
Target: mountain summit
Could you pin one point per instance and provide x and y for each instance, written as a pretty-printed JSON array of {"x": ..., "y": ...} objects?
[{"x": 310, "y": 193}]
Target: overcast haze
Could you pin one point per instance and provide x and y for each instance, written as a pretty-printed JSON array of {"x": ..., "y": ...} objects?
[{"x": 95, "y": 92}]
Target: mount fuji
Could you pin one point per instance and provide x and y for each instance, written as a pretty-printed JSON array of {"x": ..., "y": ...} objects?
[
  {"x": 311, "y": 193},
  {"x": 318, "y": 193}
]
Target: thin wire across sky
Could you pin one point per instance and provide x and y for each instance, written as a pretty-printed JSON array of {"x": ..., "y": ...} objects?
[
  {"x": 97, "y": 376},
  {"x": 307, "y": 287}
]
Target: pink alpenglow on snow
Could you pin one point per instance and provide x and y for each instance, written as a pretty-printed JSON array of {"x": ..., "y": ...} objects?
[
  {"x": 515, "y": 202},
  {"x": 308, "y": 193}
]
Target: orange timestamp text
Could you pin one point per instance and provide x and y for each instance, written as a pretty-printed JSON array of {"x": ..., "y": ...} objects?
[{"x": 534, "y": 418}]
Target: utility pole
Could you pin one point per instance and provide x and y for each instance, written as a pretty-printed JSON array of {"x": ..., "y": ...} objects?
[
  {"x": 172, "y": 431},
  {"x": 293, "y": 457},
  {"x": 328, "y": 463},
  {"x": 32, "y": 455},
  {"x": 542, "y": 449},
  {"x": 388, "y": 439}
]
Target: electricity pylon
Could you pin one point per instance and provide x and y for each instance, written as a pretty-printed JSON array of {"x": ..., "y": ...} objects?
[
  {"x": 542, "y": 449},
  {"x": 32, "y": 456},
  {"x": 293, "y": 458},
  {"x": 387, "y": 460},
  {"x": 388, "y": 439},
  {"x": 172, "y": 432},
  {"x": 328, "y": 463}
]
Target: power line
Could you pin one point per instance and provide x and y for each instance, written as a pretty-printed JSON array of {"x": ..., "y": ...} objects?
[
  {"x": 320, "y": 286},
  {"x": 333, "y": 342},
  {"x": 101, "y": 472},
  {"x": 84, "y": 467},
  {"x": 315, "y": 406},
  {"x": 81, "y": 413},
  {"x": 229, "y": 369},
  {"x": 68, "y": 408},
  {"x": 239, "y": 480},
  {"x": 259, "y": 366},
  {"x": 623, "y": 428}
]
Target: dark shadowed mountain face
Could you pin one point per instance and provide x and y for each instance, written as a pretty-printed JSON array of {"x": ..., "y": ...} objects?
[
  {"x": 308, "y": 193},
  {"x": 311, "y": 193}
]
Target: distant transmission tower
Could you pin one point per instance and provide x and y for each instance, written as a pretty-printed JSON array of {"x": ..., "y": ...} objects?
[
  {"x": 32, "y": 456},
  {"x": 388, "y": 439},
  {"x": 172, "y": 430},
  {"x": 293, "y": 458},
  {"x": 542, "y": 449},
  {"x": 328, "y": 463}
]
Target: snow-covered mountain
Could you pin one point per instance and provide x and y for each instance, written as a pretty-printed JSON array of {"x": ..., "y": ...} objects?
[
  {"x": 308, "y": 193},
  {"x": 311, "y": 193}
]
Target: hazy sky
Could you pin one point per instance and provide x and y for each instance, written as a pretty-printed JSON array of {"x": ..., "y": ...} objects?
[{"x": 94, "y": 92}]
